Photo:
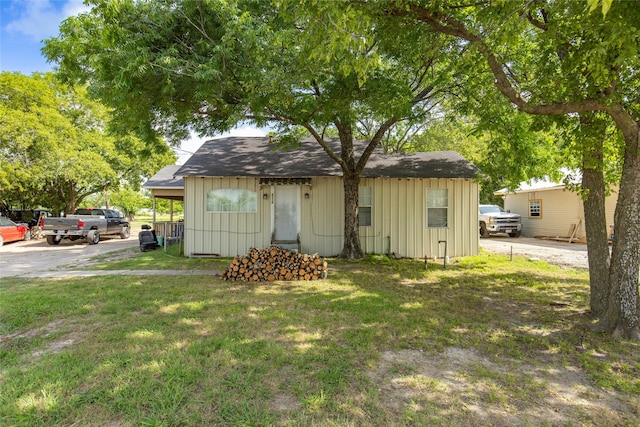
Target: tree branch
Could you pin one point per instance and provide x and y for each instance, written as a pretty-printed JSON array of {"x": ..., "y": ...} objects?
[
  {"x": 375, "y": 141},
  {"x": 450, "y": 26},
  {"x": 537, "y": 23},
  {"x": 320, "y": 140}
]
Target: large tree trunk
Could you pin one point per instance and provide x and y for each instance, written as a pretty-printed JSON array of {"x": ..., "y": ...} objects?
[
  {"x": 71, "y": 199},
  {"x": 595, "y": 222},
  {"x": 351, "y": 248},
  {"x": 621, "y": 317},
  {"x": 351, "y": 172},
  {"x": 593, "y": 132}
]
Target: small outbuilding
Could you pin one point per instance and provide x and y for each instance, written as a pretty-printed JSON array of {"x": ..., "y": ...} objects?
[
  {"x": 550, "y": 210},
  {"x": 245, "y": 192}
]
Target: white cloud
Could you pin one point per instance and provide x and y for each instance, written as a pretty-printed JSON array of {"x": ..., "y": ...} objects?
[{"x": 40, "y": 19}]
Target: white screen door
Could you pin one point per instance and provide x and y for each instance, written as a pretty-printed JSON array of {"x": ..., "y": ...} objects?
[{"x": 286, "y": 215}]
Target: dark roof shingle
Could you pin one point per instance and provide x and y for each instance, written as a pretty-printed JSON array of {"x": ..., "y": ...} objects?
[
  {"x": 166, "y": 178},
  {"x": 255, "y": 156}
]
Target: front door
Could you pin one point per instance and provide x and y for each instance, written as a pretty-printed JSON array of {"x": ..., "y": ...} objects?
[{"x": 286, "y": 223}]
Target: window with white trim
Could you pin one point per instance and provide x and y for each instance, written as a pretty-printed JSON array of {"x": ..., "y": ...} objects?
[
  {"x": 535, "y": 208},
  {"x": 365, "y": 205},
  {"x": 437, "y": 208},
  {"x": 232, "y": 200}
]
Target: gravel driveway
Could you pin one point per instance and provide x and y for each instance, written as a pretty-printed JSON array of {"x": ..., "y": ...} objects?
[
  {"x": 573, "y": 255},
  {"x": 20, "y": 258},
  {"x": 29, "y": 258}
]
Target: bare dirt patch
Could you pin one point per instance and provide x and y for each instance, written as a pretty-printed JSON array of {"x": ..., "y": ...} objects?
[
  {"x": 56, "y": 346},
  {"x": 122, "y": 255},
  {"x": 463, "y": 386},
  {"x": 43, "y": 331}
]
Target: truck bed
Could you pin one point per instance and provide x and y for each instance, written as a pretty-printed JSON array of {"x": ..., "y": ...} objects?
[{"x": 70, "y": 222}]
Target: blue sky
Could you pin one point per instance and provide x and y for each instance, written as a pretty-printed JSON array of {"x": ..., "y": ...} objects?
[{"x": 23, "y": 26}]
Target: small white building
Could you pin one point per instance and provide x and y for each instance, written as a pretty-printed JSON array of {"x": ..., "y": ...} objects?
[
  {"x": 241, "y": 193},
  {"x": 549, "y": 209}
]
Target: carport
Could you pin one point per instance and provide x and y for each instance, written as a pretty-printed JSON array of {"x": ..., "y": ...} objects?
[{"x": 164, "y": 185}]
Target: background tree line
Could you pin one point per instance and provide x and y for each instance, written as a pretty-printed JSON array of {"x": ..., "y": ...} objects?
[{"x": 58, "y": 146}]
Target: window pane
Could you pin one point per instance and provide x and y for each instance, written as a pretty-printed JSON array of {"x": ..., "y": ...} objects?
[
  {"x": 437, "y": 207},
  {"x": 365, "y": 196},
  {"x": 365, "y": 201},
  {"x": 437, "y": 217},
  {"x": 535, "y": 208},
  {"x": 364, "y": 216},
  {"x": 232, "y": 200},
  {"x": 438, "y": 198}
]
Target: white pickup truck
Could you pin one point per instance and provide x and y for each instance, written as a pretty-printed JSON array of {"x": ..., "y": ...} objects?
[
  {"x": 493, "y": 219},
  {"x": 87, "y": 224}
]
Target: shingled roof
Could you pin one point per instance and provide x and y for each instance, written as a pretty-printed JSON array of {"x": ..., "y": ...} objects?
[
  {"x": 256, "y": 157},
  {"x": 165, "y": 179}
]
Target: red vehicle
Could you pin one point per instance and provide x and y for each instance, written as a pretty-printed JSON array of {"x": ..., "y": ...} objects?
[{"x": 10, "y": 231}]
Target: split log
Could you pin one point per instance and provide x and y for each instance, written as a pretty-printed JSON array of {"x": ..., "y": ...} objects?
[{"x": 275, "y": 263}]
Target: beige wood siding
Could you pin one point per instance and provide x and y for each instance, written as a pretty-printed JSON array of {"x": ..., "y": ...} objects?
[
  {"x": 398, "y": 214},
  {"x": 223, "y": 233},
  {"x": 560, "y": 209}
]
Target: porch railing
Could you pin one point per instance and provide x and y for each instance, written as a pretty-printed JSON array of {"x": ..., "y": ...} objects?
[{"x": 171, "y": 231}]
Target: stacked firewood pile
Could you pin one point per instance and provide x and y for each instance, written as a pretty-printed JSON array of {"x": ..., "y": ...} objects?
[{"x": 275, "y": 263}]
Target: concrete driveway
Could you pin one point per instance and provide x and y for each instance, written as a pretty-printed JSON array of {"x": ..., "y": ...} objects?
[{"x": 30, "y": 258}]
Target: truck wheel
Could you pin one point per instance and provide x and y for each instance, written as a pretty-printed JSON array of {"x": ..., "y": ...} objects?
[
  {"x": 52, "y": 240},
  {"x": 27, "y": 236},
  {"x": 93, "y": 237},
  {"x": 124, "y": 234},
  {"x": 484, "y": 233},
  {"x": 516, "y": 234}
]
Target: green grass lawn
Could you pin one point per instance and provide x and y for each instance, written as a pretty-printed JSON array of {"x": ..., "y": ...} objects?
[
  {"x": 170, "y": 258},
  {"x": 379, "y": 342}
]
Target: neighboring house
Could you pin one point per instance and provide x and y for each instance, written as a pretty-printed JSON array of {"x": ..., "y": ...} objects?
[
  {"x": 241, "y": 193},
  {"x": 548, "y": 209}
]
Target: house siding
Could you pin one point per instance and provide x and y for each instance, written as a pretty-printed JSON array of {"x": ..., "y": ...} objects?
[
  {"x": 323, "y": 217},
  {"x": 560, "y": 209},
  {"x": 399, "y": 218},
  {"x": 223, "y": 233}
]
